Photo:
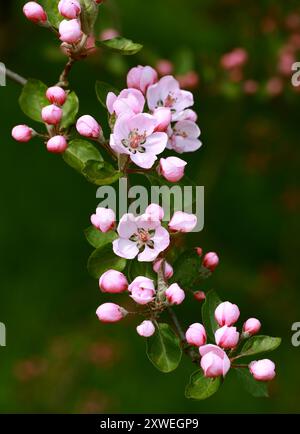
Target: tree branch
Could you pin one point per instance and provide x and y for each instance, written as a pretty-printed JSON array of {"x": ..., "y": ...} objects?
[{"x": 15, "y": 77}]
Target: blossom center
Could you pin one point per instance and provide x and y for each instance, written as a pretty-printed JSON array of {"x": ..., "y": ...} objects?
[
  {"x": 143, "y": 238},
  {"x": 135, "y": 141}
]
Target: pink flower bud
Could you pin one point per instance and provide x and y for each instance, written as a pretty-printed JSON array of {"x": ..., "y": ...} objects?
[
  {"x": 22, "y": 133},
  {"x": 227, "y": 313},
  {"x": 199, "y": 295},
  {"x": 110, "y": 312},
  {"x": 146, "y": 329},
  {"x": 141, "y": 77},
  {"x": 210, "y": 261},
  {"x": 164, "y": 67},
  {"x": 155, "y": 211},
  {"x": 172, "y": 168},
  {"x": 69, "y": 8},
  {"x": 142, "y": 290},
  {"x": 87, "y": 126},
  {"x": 104, "y": 220},
  {"x": 70, "y": 31},
  {"x": 235, "y": 59},
  {"x": 167, "y": 268},
  {"x": 51, "y": 114},
  {"x": 113, "y": 282},
  {"x": 57, "y": 144},
  {"x": 163, "y": 116},
  {"x": 196, "y": 335},
  {"x": 199, "y": 251},
  {"x": 251, "y": 326},
  {"x": 174, "y": 294},
  {"x": 214, "y": 361},
  {"x": 227, "y": 337},
  {"x": 56, "y": 95},
  {"x": 263, "y": 370},
  {"x": 182, "y": 222},
  {"x": 34, "y": 12}
]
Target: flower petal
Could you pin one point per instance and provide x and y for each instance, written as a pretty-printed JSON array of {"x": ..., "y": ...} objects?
[{"x": 125, "y": 248}]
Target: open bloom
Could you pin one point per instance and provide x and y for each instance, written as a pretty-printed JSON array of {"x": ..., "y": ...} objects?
[
  {"x": 174, "y": 294},
  {"x": 141, "y": 77},
  {"x": 263, "y": 370},
  {"x": 140, "y": 236},
  {"x": 172, "y": 168},
  {"x": 167, "y": 93},
  {"x": 142, "y": 290},
  {"x": 227, "y": 337},
  {"x": 182, "y": 222},
  {"x": 69, "y": 8},
  {"x": 188, "y": 115},
  {"x": 113, "y": 282},
  {"x": 196, "y": 335},
  {"x": 146, "y": 329},
  {"x": 183, "y": 137},
  {"x": 135, "y": 137},
  {"x": 104, "y": 220},
  {"x": 227, "y": 313},
  {"x": 129, "y": 102},
  {"x": 214, "y": 361}
]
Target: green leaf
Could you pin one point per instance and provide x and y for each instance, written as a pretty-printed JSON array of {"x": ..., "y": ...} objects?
[
  {"x": 33, "y": 99},
  {"x": 187, "y": 269},
  {"x": 163, "y": 349},
  {"x": 79, "y": 152},
  {"x": 103, "y": 259},
  {"x": 137, "y": 268},
  {"x": 121, "y": 45},
  {"x": 98, "y": 239},
  {"x": 201, "y": 387},
  {"x": 70, "y": 110},
  {"x": 102, "y": 89},
  {"x": 88, "y": 16},
  {"x": 258, "y": 389},
  {"x": 100, "y": 173},
  {"x": 212, "y": 301},
  {"x": 259, "y": 344},
  {"x": 51, "y": 8}
]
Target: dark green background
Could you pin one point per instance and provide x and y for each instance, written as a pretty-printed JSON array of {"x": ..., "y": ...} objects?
[{"x": 58, "y": 357}]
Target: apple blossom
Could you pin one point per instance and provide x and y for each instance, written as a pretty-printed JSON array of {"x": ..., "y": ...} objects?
[
  {"x": 129, "y": 102},
  {"x": 104, "y": 220},
  {"x": 227, "y": 313},
  {"x": 196, "y": 335},
  {"x": 56, "y": 95},
  {"x": 174, "y": 294},
  {"x": 22, "y": 133},
  {"x": 113, "y": 282},
  {"x": 69, "y": 8},
  {"x": 163, "y": 116},
  {"x": 70, "y": 31},
  {"x": 34, "y": 12},
  {"x": 188, "y": 115},
  {"x": 167, "y": 93},
  {"x": 87, "y": 126},
  {"x": 172, "y": 168},
  {"x": 183, "y": 137},
  {"x": 210, "y": 261},
  {"x": 57, "y": 144},
  {"x": 110, "y": 312},
  {"x": 167, "y": 268},
  {"x": 51, "y": 114},
  {"x": 214, "y": 361},
  {"x": 135, "y": 137},
  {"x": 141, "y": 77},
  {"x": 146, "y": 329},
  {"x": 251, "y": 326},
  {"x": 155, "y": 211},
  {"x": 140, "y": 236},
  {"x": 263, "y": 370},
  {"x": 227, "y": 337},
  {"x": 142, "y": 290},
  {"x": 182, "y": 222}
]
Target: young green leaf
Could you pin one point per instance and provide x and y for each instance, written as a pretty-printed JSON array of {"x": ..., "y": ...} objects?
[
  {"x": 137, "y": 268},
  {"x": 98, "y": 239},
  {"x": 208, "y": 314},
  {"x": 79, "y": 152},
  {"x": 88, "y": 15},
  {"x": 103, "y": 259},
  {"x": 201, "y": 387},
  {"x": 53, "y": 14},
  {"x": 100, "y": 173},
  {"x": 121, "y": 45},
  {"x": 163, "y": 348},
  {"x": 259, "y": 344},
  {"x": 70, "y": 110},
  {"x": 258, "y": 389},
  {"x": 187, "y": 269},
  {"x": 33, "y": 99},
  {"x": 102, "y": 89}
]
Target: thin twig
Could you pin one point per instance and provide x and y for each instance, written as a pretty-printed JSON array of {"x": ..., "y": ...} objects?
[
  {"x": 63, "y": 79},
  {"x": 15, "y": 77},
  {"x": 177, "y": 324}
]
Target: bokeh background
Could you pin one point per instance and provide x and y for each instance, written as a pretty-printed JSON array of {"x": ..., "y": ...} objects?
[{"x": 58, "y": 357}]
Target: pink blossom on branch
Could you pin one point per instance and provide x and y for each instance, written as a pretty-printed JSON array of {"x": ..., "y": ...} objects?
[
  {"x": 227, "y": 337},
  {"x": 142, "y": 290},
  {"x": 196, "y": 335},
  {"x": 184, "y": 137},
  {"x": 35, "y": 13},
  {"x": 146, "y": 329},
  {"x": 263, "y": 370},
  {"x": 70, "y": 31},
  {"x": 110, "y": 312},
  {"x": 210, "y": 261},
  {"x": 174, "y": 294},
  {"x": 51, "y": 114},
  {"x": 167, "y": 268},
  {"x": 227, "y": 313},
  {"x": 113, "y": 282},
  {"x": 22, "y": 133},
  {"x": 56, "y": 95},
  {"x": 141, "y": 77},
  {"x": 57, "y": 144},
  {"x": 172, "y": 168},
  {"x": 104, "y": 220},
  {"x": 69, "y": 8},
  {"x": 87, "y": 126},
  {"x": 251, "y": 326},
  {"x": 182, "y": 222},
  {"x": 214, "y": 361},
  {"x": 129, "y": 102}
]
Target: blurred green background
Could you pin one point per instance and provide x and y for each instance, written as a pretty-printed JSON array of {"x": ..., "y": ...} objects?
[{"x": 58, "y": 357}]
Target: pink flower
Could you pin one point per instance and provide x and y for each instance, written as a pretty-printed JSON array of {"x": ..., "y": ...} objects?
[
  {"x": 167, "y": 268},
  {"x": 22, "y": 133},
  {"x": 199, "y": 295},
  {"x": 210, "y": 261},
  {"x": 142, "y": 290},
  {"x": 34, "y": 12},
  {"x": 141, "y": 77},
  {"x": 146, "y": 329},
  {"x": 129, "y": 102},
  {"x": 155, "y": 211},
  {"x": 262, "y": 370},
  {"x": 135, "y": 137},
  {"x": 167, "y": 93},
  {"x": 251, "y": 326},
  {"x": 87, "y": 126},
  {"x": 183, "y": 137},
  {"x": 163, "y": 118},
  {"x": 110, "y": 312},
  {"x": 172, "y": 168},
  {"x": 190, "y": 80},
  {"x": 235, "y": 59},
  {"x": 51, "y": 114},
  {"x": 182, "y": 222},
  {"x": 227, "y": 337},
  {"x": 164, "y": 67},
  {"x": 188, "y": 115},
  {"x": 69, "y": 8},
  {"x": 196, "y": 335},
  {"x": 56, "y": 95},
  {"x": 227, "y": 313},
  {"x": 214, "y": 361},
  {"x": 113, "y": 282},
  {"x": 109, "y": 33},
  {"x": 57, "y": 144},
  {"x": 140, "y": 236},
  {"x": 174, "y": 294},
  {"x": 70, "y": 31},
  {"x": 104, "y": 220}
]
